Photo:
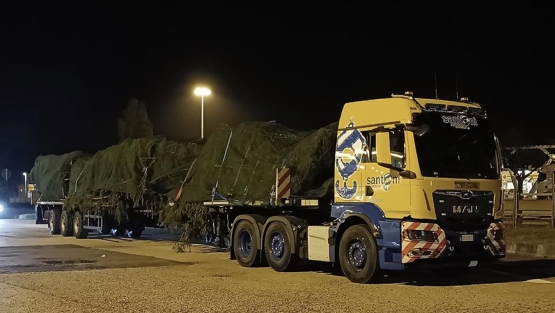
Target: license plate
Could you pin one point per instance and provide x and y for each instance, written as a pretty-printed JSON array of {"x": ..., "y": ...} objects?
[{"x": 467, "y": 237}]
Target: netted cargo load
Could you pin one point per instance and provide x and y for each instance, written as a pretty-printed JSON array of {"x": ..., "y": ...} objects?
[
  {"x": 238, "y": 164},
  {"x": 77, "y": 171},
  {"x": 171, "y": 161},
  {"x": 139, "y": 171},
  {"x": 49, "y": 172}
]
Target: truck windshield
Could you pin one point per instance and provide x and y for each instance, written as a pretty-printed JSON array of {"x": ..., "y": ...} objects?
[{"x": 456, "y": 146}]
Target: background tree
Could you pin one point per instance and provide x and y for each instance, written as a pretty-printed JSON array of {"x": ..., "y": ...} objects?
[
  {"x": 135, "y": 122},
  {"x": 523, "y": 162}
]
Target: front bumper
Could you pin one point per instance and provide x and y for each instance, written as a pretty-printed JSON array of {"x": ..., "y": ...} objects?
[{"x": 449, "y": 248}]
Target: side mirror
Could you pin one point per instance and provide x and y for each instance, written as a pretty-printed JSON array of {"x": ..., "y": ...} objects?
[
  {"x": 420, "y": 130},
  {"x": 383, "y": 150}
]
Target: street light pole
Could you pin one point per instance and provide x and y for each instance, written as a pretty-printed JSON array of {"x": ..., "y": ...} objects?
[
  {"x": 201, "y": 117},
  {"x": 202, "y": 92}
]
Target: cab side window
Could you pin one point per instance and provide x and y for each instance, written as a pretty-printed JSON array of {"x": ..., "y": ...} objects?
[
  {"x": 397, "y": 147},
  {"x": 369, "y": 149}
]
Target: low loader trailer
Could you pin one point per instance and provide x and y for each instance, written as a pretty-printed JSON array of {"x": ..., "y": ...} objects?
[{"x": 80, "y": 222}]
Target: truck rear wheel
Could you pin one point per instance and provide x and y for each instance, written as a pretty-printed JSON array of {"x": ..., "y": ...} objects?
[
  {"x": 277, "y": 249},
  {"x": 79, "y": 230},
  {"x": 358, "y": 254},
  {"x": 66, "y": 228},
  {"x": 54, "y": 221},
  {"x": 245, "y": 242}
]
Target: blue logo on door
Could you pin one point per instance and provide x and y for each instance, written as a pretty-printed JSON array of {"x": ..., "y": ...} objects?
[{"x": 350, "y": 142}]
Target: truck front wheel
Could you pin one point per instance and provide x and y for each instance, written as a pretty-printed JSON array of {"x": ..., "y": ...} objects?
[
  {"x": 245, "y": 243},
  {"x": 358, "y": 254}
]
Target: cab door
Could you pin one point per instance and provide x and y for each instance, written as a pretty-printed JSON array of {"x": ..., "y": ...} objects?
[{"x": 385, "y": 187}]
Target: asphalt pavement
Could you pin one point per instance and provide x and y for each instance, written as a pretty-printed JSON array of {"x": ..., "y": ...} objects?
[{"x": 41, "y": 272}]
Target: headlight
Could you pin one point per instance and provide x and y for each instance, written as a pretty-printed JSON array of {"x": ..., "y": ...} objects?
[
  {"x": 1, "y": 208},
  {"x": 423, "y": 235}
]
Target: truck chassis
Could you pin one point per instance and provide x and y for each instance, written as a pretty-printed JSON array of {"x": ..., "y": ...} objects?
[{"x": 353, "y": 243}]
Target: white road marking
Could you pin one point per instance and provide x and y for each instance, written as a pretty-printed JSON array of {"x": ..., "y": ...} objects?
[{"x": 523, "y": 278}]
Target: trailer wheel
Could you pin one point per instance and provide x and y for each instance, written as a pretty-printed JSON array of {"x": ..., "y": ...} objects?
[
  {"x": 66, "y": 227},
  {"x": 78, "y": 229},
  {"x": 277, "y": 248},
  {"x": 245, "y": 242},
  {"x": 358, "y": 254},
  {"x": 54, "y": 221}
]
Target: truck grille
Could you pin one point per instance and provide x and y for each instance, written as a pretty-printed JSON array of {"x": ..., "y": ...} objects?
[{"x": 463, "y": 209}]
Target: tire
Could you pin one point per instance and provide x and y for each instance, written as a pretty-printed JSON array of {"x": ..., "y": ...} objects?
[
  {"x": 245, "y": 242},
  {"x": 66, "y": 225},
  {"x": 277, "y": 248},
  {"x": 359, "y": 238},
  {"x": 78, "y": 229},
  {"x": 54, "y": 221}
]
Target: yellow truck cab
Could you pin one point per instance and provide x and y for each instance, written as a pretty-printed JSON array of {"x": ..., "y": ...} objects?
[{"x": 424, "y": 176}]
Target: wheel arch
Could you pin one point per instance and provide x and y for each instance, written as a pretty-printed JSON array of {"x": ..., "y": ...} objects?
[{"x": 350, "y": 219}]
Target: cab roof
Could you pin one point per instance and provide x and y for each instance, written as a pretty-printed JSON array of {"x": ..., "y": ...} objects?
[{"x": 399, "y": 109}]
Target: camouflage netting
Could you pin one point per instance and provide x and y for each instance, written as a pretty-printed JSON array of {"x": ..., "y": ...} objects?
[
  {"x": 139, "y": 170},
  {"x": 245, "y": 172},
  {"x": 136, "y": 170},
  {"x": 49, "y": 171},
  {"x": 148, "y": 171}
]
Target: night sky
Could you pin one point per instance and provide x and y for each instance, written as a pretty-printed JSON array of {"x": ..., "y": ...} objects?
[{"x": 66, "y": 73}]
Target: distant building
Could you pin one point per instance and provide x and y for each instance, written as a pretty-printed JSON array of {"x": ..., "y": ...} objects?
[{"x": 22, "y": 196}]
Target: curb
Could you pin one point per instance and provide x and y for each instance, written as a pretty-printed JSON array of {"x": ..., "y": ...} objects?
[{"x": 537, "y": 250}]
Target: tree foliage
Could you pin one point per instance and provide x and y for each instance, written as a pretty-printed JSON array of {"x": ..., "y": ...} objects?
[
  {"x": 522, "y": 162},
  {"x": 135, "y": 123}
]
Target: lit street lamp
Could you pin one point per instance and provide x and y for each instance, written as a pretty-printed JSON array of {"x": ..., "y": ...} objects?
[{"x": 202, "y": 92}]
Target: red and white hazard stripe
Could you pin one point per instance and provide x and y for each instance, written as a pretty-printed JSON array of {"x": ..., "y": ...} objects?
[
  {"x": 283, "y": 183},
  {"x": 433, "y": 249},
  {"x": 496, "y": 246}
]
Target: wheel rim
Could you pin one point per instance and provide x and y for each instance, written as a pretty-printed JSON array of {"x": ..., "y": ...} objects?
[
  {"x": 63, "y": 224},
  {"x": 277, "y": 245},
  {"x": 50, "y": 222},
  {"x": 357, "y": 254},
  {"x": 245, "y": 244}
]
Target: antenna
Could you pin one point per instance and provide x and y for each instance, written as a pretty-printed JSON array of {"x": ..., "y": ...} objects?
[
  {"x": 456, "y": 89},
  {"x": 435, "y": 83}
]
